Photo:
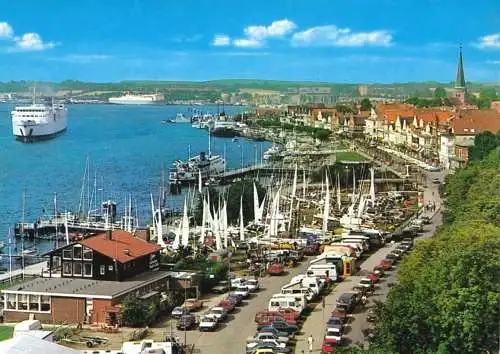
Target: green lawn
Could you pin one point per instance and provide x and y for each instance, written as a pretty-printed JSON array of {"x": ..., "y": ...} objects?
[
  {"x": 6, "y": 332},
  {"x": 349, "y": 156}
]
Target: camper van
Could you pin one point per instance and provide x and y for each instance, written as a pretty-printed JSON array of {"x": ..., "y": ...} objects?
[
  {"x": 298, "y": 288},
  {"x": 300, "y": 299},
  {"x": 358, "y": 248},
  {"x": 323, "y": 271},
  {"x": 313, "y": 283},
  {"x": 289, "y": 302},
  {"x": 364, "y": 240}
]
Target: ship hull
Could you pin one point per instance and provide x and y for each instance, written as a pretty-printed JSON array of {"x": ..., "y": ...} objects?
[
  {"x": 132, "y": 102},
  {"x": 36, "y": 138}
]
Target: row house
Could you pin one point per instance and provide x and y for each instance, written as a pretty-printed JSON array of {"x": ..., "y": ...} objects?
[
  {"x": 404, "y": 125},
  {"x": 326, "y": 118},
  {"x": 455, "y": 145}
]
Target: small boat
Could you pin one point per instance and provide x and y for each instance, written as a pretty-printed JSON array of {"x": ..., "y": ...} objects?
[{"x": 235, "y": 140}]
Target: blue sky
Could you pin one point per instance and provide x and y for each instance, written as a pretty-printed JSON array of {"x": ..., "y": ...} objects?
[{"x": 328, "y": 40}]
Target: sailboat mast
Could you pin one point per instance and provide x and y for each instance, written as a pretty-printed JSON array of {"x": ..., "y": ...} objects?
[
  {"x": 10, "y": 257},
  {"x": 22, "y": 234},
  {"x": 56, "y": 220}
]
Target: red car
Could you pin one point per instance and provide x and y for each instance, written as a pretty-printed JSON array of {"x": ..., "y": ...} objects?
[
  {"x": 386, "y": 265},
  {"x": 226, "y": 304},
  {"x": 265, "y": 318},
  {"x": 373, "y": 277},
  {"x": 275, "y": 269},
  {"x": 339, "y": 314},
  {"x": 328, "y": 345},
  {"x": 289, "y": 313}
]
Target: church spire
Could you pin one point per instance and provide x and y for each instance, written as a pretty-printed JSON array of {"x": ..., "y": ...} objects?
[{"x": 460, "y": 82}]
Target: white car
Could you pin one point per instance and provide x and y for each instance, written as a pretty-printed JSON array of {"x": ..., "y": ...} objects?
[
  {"x": 219, "y": 313},
  {"x": 237, "y": 282},
  {"x": 252, "y": 285},
  {"x": 243, "y": 291},
  {"x": 274, "y": 342},
  {"x": 334, "y": 333},
  {"x": 208, "y": 323},
  {"x": 366, "y": 283}
]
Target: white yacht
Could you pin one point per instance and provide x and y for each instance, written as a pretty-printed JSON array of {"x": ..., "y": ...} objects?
[
  {"x": 38, "y": 121},
  {"x": 132, "y": 99}
]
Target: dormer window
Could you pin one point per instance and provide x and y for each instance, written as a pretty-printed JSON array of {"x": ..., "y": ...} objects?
[{"x": 472, "y": 130}]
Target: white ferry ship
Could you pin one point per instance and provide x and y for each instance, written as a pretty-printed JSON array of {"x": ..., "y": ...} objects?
[
  {"x": 132, "y": 99},
  {"x": 38, "y": 121},
  {"x": 188, "y": 172}
]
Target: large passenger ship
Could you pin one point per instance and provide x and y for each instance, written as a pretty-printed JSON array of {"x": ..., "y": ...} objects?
[
  {"x": 133, "y": 99},
  {"x": 38, "y": 121}
]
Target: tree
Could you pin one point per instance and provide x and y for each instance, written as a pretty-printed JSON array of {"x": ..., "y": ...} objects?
[
  {"x": 366, "y": 105},
  {"x": 440, "y": 92},
  {"x": 322, "y": 134},
  {"x": 483, "y": 144},
  {"x": 135, "y": 313}
]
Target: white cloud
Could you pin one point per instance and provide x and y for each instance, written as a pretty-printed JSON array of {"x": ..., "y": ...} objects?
[
  {"x": 276, "y": 29},
  {"x": 6, "y": 30},
  {"x": 31, "y": 42},
  {"x": 490, "y": 41},
  {"x": 495, "y": 62},
  {"x": 248, "y": 43},
  {"x": 221, "y": 40},
  {"x": 340, "y": 37}
]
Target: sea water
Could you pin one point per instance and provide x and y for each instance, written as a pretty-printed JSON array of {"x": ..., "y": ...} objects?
[{"x": 126, "y": 147}]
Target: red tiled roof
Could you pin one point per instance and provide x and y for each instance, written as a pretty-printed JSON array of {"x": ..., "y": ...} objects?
[
  {"x": 123, "y": 246},
  {"x": 476, "y": 120},
  {"x": 429, "y": 115},
  {"x": 392, "y": 115}
]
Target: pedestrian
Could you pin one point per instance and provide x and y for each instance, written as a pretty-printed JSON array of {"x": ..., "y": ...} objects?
[{"x": 310, "y": 341}]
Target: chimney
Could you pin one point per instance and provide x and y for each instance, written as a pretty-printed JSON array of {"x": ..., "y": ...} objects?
[{"x": 109, "y": 234}]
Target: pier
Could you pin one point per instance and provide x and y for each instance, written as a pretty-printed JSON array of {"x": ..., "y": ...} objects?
[{"x": 260, "y": 170}]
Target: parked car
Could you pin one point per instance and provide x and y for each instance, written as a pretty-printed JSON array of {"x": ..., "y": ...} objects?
[
  {"x": 338, "y": 313},
  {"x": 228, "y": 305},
  {"x": 254, "y": 343},
  {"x": 180, "y": 311},
  {"x": 386, "y": 264},
  {"x": 275, "y": 269},
  {"x": 269, "y": 329},
  {"x": 265, "y": 318},
  {"x": 283, "y": 326},
  {"x": 186, "y": 322},
  {"x": 208, "y": 323},
  {"x": 366, "y": 283},
  {"x": 392, "y": 257},
  {"x": 268, "y": 336},
  {"x": 242, "y": 291},
  {"x": 373, "y": 277},
  {"x": 220, "y": 313},
  {"x": 379, "y": 271},
  {"x": 235, "y": 298},
  {"x": 334, "y": 322},
  {"x": 347, "y": 301},
  {"x": 252, "y": 285},
  {"x": 436, "y": 180},
  {"x": 237, "y": 282},
  {"x": 193, "y": 304},
  {"x": 328, "y": 345},
  {"x": 334, "y": 333},
  {"x": 221, "y": 287}
]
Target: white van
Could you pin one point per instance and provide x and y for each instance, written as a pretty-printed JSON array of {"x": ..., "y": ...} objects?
[
  {"x": 358, "y": 248},
  {"x": 312, "y": 283},
  {"x": 300, "y": 299},
  {"x": 298, "y": 288},
  {"x": 275, "y": 304},
  {"x": 323, "y": 271},
  {"x": 365, "y": 243}
]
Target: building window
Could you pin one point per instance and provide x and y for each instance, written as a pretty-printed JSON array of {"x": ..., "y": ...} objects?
[
  {"x": 67, "y": 268},
  {"x": 67, "y": 253},
  {"x": 22, "y": 302},
  {"x": 102, "y": 270},
  {"x": 33, "y": 302},
  {"x": 87, "y": 254},
  {"x": 110, "y": 268},
  {"x": 45, "y": 303},
  {"x": 77, "y": 252},
  {"x": 11, "y": 301},
  {"x": 77, "y": 268},
  {"x": 87, "y": 269}
]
